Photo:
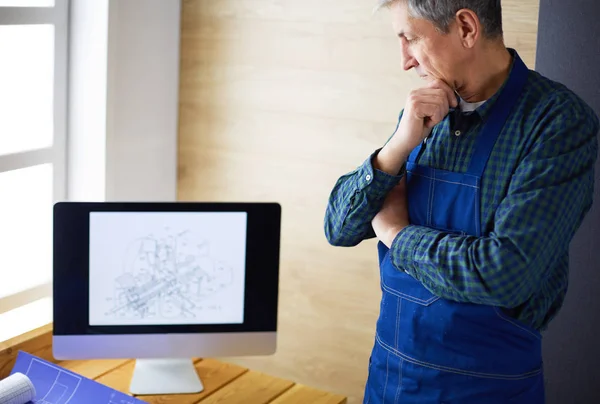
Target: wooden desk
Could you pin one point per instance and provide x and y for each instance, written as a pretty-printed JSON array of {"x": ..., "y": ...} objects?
[{"x": 224, "y": 383}]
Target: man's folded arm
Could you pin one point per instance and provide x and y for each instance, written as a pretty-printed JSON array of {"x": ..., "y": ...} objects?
[{"x": 548, "y": 197}]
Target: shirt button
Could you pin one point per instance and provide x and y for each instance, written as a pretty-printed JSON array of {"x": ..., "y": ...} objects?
[
  {"x": 368, "y": 177},
  {"x": 457, "y": 133}
]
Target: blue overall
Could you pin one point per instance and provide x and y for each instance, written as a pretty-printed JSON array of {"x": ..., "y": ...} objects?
[{"x": 432, "y": 350}]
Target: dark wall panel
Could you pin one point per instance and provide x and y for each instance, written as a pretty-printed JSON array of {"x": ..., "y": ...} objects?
[{"x": 568, "y": 50}]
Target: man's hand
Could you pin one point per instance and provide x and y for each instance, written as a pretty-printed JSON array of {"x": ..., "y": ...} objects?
[
  {"x": 425, "y": 108},
  {"x": 393, "y": 216}
]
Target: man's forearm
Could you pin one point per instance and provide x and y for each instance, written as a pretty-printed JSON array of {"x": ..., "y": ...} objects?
[
  {"x": 390, "y": 159},
  {"x": 394, "y": 154}
]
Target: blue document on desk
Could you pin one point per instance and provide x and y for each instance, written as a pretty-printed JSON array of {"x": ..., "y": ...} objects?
[{"x": 56, "y": 385}]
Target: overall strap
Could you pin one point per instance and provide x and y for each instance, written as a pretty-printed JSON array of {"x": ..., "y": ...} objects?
[
  {"x": 412, "y": 157},
  {"x": 382, "y": 250},
  {"x": 495, "y": 122}
]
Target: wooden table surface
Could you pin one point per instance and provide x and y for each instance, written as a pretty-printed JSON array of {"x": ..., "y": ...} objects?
[{"x": 224, "y": 383}]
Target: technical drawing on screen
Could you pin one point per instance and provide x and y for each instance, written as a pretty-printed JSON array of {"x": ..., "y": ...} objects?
[{"x": 167, "y": 268}]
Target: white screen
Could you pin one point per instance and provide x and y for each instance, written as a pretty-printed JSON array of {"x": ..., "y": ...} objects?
[{"x": 167, "y": 268}]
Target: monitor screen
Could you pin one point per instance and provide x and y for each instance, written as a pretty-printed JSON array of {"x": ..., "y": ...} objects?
[
  {"x": 167, "y": 268},
  {"x": 163, "y": 268}
]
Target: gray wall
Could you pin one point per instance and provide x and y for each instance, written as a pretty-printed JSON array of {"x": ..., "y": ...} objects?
[{"x": 568, "y": 51}]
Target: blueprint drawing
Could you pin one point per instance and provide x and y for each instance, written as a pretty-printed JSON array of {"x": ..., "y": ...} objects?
[
  {"x": 167, "y": 268},
  {"x": 160, "y": 282},
  {"x": 56, "y": 385}
]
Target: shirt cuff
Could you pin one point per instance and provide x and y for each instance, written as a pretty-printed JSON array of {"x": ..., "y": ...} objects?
[
  {"x": 379, "y": 182},
  {"x": 405, "y": 247}
]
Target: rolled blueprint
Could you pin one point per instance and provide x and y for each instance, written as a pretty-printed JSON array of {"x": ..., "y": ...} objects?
[{"x": 16, "y": 389}]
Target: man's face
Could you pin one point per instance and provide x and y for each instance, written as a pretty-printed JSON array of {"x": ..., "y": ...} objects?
[{"x": 432, "y": 54}]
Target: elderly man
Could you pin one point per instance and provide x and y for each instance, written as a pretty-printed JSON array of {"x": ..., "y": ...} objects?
[{"x": 474, "y": 201}]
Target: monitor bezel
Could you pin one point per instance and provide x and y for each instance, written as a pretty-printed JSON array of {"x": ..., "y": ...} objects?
[{"x": 71, "y": 260}]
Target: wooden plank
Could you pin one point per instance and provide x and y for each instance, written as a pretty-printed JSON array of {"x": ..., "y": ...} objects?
[
  {"x": 250, "y": 388},
  {"x": 300, "y": 394},
  {"x": 93, "y": 369},
  {"x": 37, "y": 342},
  {"x": 214, "y": 375}
]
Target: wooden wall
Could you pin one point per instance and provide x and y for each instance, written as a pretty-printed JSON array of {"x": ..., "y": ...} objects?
[{"x": 278, "y": 99}]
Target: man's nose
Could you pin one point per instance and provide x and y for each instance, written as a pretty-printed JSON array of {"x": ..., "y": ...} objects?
[{"x": 408, "y": 61}]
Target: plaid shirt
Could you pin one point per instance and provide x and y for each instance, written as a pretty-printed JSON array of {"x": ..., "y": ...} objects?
[{"x": 536, "y": 190}]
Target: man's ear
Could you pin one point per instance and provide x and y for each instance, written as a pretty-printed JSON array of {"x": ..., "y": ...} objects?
[{"x": 468, "y": 26}]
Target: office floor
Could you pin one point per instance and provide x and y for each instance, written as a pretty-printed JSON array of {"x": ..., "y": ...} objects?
[{"x": 278, "y": 99}]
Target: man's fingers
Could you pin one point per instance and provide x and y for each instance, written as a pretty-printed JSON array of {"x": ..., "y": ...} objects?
[
  {"x": 442, "y": 85},
  {"x": 429, "y": 103},
  {"x": 434, "y": 95},
  {"x": 429, "y": 95},
  {"x": 451, "y": 95},
  {"x": 435, "y": 112}
]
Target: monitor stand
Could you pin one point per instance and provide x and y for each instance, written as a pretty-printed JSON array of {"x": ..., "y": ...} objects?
[{"x": 165, "y": 376}]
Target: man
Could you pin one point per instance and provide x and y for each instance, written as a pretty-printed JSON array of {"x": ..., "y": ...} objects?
[{"x": 474, "y": 201}]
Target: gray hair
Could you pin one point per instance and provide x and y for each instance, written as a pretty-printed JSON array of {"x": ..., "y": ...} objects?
[{"x": 442, "y": 12}]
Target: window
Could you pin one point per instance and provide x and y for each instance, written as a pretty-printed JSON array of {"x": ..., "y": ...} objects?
[{"x": 33, "y": 83}]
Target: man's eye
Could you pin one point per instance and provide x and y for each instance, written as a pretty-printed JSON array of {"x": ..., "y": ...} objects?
[{"x": 408, "y": 39}]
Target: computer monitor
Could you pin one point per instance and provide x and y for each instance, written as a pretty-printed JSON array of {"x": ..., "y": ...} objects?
[{"x": 163, "y": 283}]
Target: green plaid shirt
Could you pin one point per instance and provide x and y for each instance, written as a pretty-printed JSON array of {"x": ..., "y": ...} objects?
[{"x": 536, "y": 190}]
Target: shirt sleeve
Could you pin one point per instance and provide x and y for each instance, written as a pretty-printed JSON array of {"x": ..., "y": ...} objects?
[
  {"x": 355, "y": 200},
  {"x": 550, "y": 193}
]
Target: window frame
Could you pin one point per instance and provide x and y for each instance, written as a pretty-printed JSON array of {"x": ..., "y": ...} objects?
[{"x": 56, "y": 154}]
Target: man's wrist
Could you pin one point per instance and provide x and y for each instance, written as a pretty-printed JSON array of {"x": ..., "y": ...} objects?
[{"x": 390, "y": 159}]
